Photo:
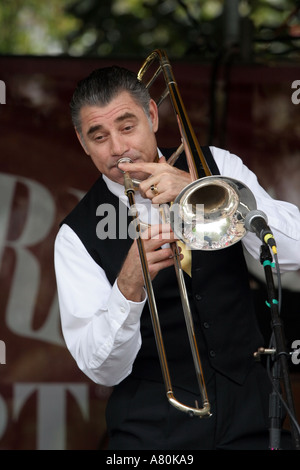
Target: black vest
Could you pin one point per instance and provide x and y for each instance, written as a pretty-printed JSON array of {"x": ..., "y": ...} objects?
[{"x": 219, "y": 294}]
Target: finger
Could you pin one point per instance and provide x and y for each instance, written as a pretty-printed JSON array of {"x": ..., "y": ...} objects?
[
  {"x": 145, "y": 167},
  {"x": 142, "y": 166},
  {"x": 162, "y": 160},
  {"x": 160, "y": 259},
  {"x": 164, "y": 254},
  {"x": 146, "y": 186},
  {"x": 161, "y": 232},
  {"x": 156, "y": 245}
]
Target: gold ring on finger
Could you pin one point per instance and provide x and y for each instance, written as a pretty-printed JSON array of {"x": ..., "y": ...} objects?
[{"x": 154, "y": 189}]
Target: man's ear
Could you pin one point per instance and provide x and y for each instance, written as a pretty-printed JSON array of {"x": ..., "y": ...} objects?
[
  {"x": 153, "y": 110},
  {"x": 80, "y": 138}
]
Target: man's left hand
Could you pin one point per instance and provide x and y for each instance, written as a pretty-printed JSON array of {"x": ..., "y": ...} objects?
[{"x": 164, "y": 183}]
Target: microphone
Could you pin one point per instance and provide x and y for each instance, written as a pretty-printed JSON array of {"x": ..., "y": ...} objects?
[{"x": 256, "y": 221}]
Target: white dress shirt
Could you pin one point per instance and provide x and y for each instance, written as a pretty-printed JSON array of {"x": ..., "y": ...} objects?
[{"x": 100, "y": 326}]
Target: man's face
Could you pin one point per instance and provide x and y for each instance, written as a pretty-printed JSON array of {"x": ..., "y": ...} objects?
[{"x": 120, "y": 129}]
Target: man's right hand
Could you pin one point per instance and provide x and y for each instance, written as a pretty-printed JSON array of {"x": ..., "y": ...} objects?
[{"x": 130, "y": 279}]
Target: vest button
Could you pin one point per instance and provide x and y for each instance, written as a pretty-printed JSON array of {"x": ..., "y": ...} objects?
[
  {"x": 206, "y": 325},
  {"x": 212, "y": 353},
  {"x": 198, "y": 297}
]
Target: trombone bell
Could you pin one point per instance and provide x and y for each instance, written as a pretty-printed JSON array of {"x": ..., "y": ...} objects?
[{"x": 209, "y": 213}]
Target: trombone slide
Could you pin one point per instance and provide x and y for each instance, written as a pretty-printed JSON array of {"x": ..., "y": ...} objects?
[{"x": 192, "y": 411}]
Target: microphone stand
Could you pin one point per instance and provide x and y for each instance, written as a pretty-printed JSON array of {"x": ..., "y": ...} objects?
[{"x": 280, "y": 365}]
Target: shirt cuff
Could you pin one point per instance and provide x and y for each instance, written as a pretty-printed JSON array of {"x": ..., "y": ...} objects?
[{"x": 122, "y": 309}]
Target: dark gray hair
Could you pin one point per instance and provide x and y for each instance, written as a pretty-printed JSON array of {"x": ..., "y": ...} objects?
[{"x": 104, "y": 84}]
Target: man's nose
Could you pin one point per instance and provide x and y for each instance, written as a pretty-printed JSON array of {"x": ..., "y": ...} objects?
[{"x": 118, "y": 145}]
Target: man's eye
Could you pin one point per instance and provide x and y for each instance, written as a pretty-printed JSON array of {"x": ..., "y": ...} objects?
[{"x": 128, "y": 128}]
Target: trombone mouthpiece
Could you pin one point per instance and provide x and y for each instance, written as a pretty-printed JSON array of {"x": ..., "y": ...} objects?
[
  {"x": 134, "y": 182},
  {"x": 123, "y": 160}
]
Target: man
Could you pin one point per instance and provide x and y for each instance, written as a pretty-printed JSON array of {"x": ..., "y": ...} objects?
[{"x": 103, "y": 303}]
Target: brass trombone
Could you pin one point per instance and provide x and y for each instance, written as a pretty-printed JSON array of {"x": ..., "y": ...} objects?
[{"x": 225, "y": 203}]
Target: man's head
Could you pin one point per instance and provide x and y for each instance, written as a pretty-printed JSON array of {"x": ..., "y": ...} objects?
[
  {"x": 114, "y": 116},
  {"x": 104, "y": 84}
]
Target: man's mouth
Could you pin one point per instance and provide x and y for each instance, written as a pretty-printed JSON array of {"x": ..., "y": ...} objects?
[{"x": 124, "y": 160}]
